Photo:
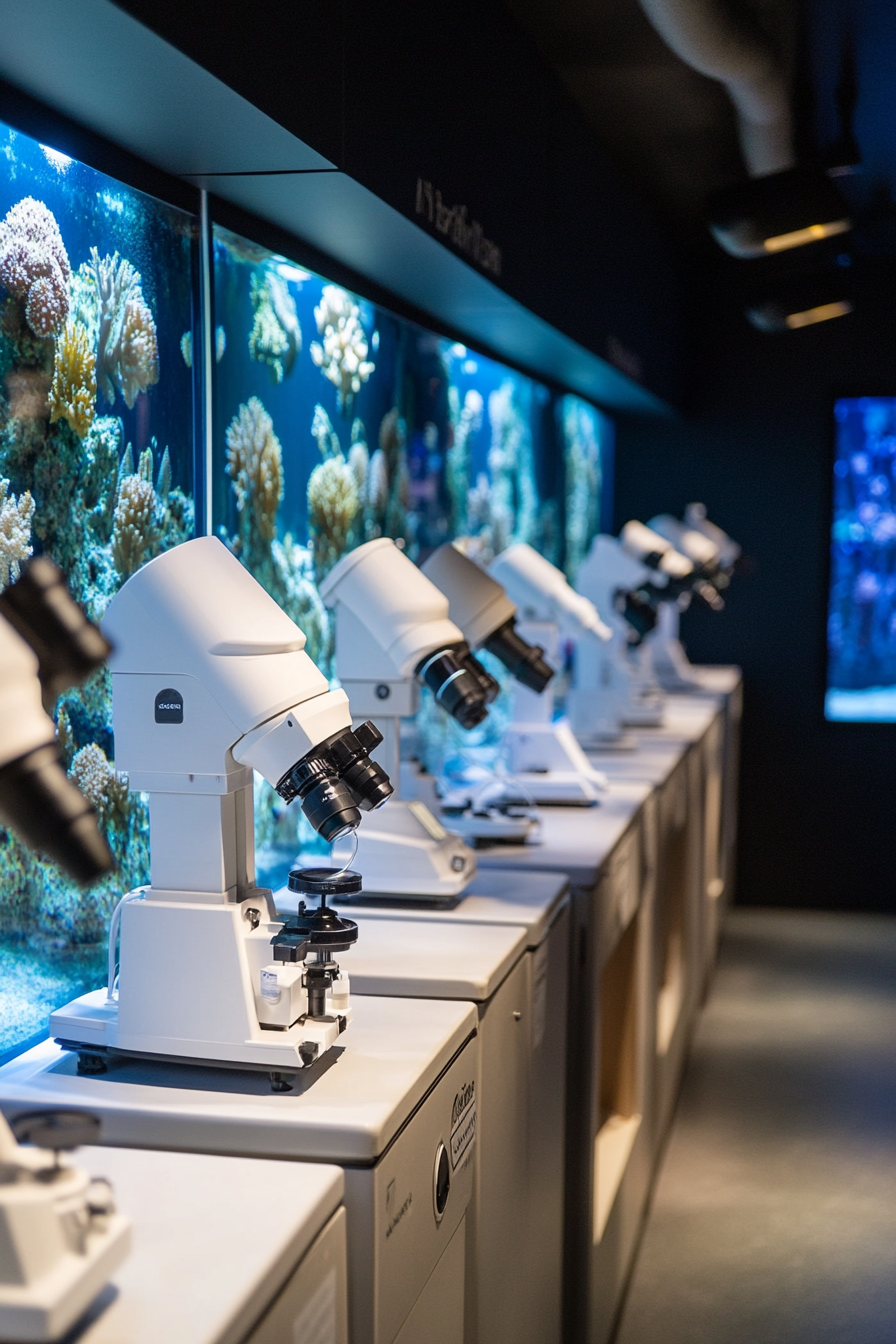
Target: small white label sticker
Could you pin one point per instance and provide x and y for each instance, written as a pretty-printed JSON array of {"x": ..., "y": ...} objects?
[
  {"x": 539, "y": 995},
  {"x": 316, "y": 1322},
  {"x": 463, "y": 1124},
  {"x": 270, "y": 986}
]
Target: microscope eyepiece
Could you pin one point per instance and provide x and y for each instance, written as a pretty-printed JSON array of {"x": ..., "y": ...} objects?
[
  {"x": 523, "y": 660},
  {"x": 350, "y": 752},
  {"x": 336, "y": 779},
  {"x": 458, "y": 682},
  {"x": 638, "y": 607},
  {"x": 41, "y": 609},
  {"x": 43, "y": 806}
]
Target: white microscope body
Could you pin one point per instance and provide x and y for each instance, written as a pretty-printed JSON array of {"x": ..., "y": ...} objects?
[
  {"x": 60, "y": 1237},
  {"x": 493, "y": 810},
  {"x": 210, "y": 681},
  {"x": 392, "y": 633},
  {"x": 543, "y": 753},
  {"x": 614, "y": 683},
  {"x": 673, "y": 665}
]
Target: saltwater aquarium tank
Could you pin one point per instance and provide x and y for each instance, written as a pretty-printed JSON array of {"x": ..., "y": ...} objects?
[
  {"x": 337, "y": 421},
  {"x": 96, "y": 471},
  {"x": 861, "y": 672}
]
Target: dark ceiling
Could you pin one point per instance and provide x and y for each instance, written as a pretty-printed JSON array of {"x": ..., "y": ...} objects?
[{"x": 671, "y": 131}]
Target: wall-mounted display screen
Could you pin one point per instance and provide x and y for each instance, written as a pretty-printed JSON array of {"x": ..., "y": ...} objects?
[
  {"x": 96, "y": 431},
  {"x": 337, "y": 421},
  {"x": 861, "y": 673}
]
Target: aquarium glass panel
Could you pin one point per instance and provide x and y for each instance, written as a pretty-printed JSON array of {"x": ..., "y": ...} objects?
[
  {"x": 96, "y": 433},
  {"x": 337, "y": 421},
  {"x": 861, "y": 682},
  {"x": 587, "y": 438}
]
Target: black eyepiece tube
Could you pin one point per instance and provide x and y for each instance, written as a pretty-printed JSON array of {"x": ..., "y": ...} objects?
[
  {"x": 523, "y": 660},
  {"x": 42, "y": 805},
  {"x": 42, "y": 610},
  {"x": 326, "y": 801},
  {"x": 639, "y": 607},
  {"x": 459, "y": 689}
]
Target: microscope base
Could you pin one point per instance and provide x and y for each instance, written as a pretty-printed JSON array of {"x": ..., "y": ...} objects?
[
  {"x": 404, "y": 850},
  {"x": 33, "y": 1228},
  {"x": 88, "y": 1026},
  {"x": 599, "y": 742},
  {"x": 494, "y": 826},
  {"x": 547, "y": 762},
  {"x": 647, "y": 716}
]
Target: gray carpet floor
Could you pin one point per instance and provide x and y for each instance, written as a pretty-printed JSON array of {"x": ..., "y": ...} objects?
[{"x": 774, "y": 1215}]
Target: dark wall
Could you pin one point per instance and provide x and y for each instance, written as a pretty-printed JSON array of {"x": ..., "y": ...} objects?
[
  {"x": 408, "y": 93},
  {"x": 818, "y": 801}
]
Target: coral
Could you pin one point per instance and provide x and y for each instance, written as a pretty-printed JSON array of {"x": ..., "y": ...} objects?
[
  {"x": 15, "y": 532},
  {"x": 34, "y": 265},
  {"x": 508, "y": 511},
  {"x": 163, "y": 483},
  {"x": 64, "y": 735},
  {"x": 127, "y": 356},
  {"x": 221, "y": 343},
  {"x": 276, "y": 337},
  {"x": 255, "y": 466},
  {"x": 73, "y": 392},
  {"x": 99, "y": 477},
  {"x": 333, "y": 497},
  {"x": 466, "y": 422},
  {"x": 342, "y": 356},
  {"x": 134, "y": 529},
  {"x": 84, "y": 301},
  {"x": 186, "y": 348},
  {"x": 97, "y": 779},
  {"x": 581, "y": 433}
]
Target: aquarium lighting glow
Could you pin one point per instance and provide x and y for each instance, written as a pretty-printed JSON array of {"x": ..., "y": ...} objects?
[
  {"x": 861, "y": 672},
  {"x": 61, "y": 162}
]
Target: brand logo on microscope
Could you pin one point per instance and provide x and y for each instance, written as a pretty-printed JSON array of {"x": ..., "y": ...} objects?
[
  {"x": 169, "y": 706},
  {"x": 395, "y": 1212}
]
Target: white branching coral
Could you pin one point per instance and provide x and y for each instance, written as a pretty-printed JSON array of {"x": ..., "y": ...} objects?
[
  {"x": 341, "y": 356},
  {"x": 333, "y": 495},
  {"x": 98, "y": 780},
  {"x": 255, "y": 465},
  {"x": 34, "y": 265},
  {"x": 134, "y": 529},
  {"x": 15, "y": 532},
  {"x": 127, "y": 356},
  {"x": 276, "y": 337}
]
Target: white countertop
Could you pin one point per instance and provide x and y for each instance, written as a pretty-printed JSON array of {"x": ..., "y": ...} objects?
[
  {"x": 215, "y": 1240},
  {"x": 348, "y": 1109},
  {"x": 444, "y": 960},
  {"x": 575, "y": 840}
]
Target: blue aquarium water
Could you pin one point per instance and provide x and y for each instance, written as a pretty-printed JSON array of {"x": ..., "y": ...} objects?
[
  {"x": 861, "y": 682},
  {"x": 96, "y": 429},
  {"x": 337, "y": 421}
]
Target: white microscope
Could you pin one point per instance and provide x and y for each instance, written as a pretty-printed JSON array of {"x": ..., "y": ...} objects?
[
  {"x": 60, "y": 1236},
  {"x": 496, "y": 808},
  {"x": 393, "y": 635},
  {"x": 714, "y": 555},
  {"x": 210, "y": 681},
  {"x": 543, "y": 752},
  {"x": 613, "y": 685}
]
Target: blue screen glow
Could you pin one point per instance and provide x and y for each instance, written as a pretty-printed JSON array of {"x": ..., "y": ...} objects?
[{"x": 861, "y": 681}]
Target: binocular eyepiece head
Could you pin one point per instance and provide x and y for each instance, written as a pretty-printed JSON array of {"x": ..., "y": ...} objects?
[{"x": 337, "y": 780}]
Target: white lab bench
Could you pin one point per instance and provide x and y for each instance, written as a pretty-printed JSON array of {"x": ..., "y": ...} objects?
[
  {"x": 531, "y": 1070},
  {"x": 226, "y": 1250},
  {"x": 379, "y": 1106}
]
